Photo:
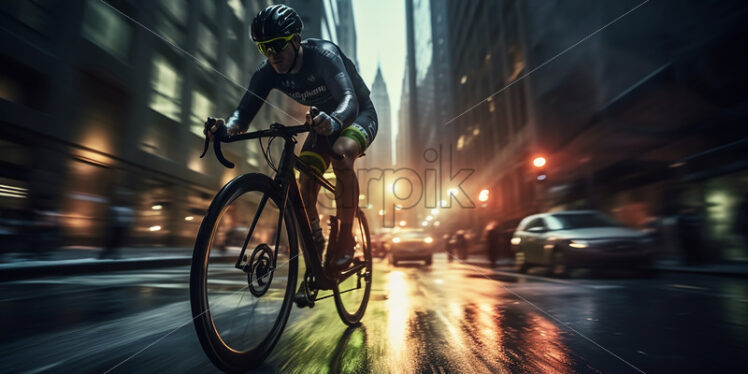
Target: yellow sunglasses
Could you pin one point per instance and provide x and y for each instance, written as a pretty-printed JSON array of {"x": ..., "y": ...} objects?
[{"x": 274, "y": 44}]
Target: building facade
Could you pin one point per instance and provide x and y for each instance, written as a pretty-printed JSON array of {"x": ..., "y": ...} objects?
[
  {"x": 638, "y": 109},
  {"x": 105, "y": 104}
]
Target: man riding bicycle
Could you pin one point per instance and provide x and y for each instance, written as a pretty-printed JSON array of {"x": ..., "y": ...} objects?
[{"x": 315, "y": 73}]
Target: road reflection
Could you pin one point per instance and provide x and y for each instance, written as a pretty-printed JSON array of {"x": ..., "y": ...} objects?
[{"x": 397, "y": 319}]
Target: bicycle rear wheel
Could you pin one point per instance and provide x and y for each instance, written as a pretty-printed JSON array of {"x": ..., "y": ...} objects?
[
  {"x": 239, "y": 313},
  {"x": 352, "y": 294}
]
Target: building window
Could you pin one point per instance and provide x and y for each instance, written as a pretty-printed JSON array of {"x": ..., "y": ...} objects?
[
  {"x": 167, "y": 85},
  {"x": 202, "y": 107},
  {"x": 207, "y": 45},
  {"x": 172, "y": 20},
  {"x": 209, "y": 9},
  {"x": 233, "y": 71},
  {"x": 237, "y": 7},
  {"x": 105, "y": 28}
]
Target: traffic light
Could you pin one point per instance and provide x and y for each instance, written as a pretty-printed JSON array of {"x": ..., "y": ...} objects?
[{"x": 539, "y": 163}]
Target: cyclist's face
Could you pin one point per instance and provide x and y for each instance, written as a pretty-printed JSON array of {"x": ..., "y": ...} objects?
[{"x": 281, "y": 61}]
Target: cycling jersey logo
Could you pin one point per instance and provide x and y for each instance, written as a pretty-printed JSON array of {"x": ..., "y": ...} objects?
[{"x": 308, "y": 95}]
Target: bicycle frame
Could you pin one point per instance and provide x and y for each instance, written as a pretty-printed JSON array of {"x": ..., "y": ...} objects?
[{"x": 290, "y": 194}]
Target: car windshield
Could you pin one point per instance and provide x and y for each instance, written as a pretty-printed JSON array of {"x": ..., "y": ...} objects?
[{"x": 580, "y": 221}]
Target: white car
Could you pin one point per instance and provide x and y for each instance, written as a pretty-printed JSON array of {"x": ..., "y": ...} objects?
[
  {"x": 411, "y": 245},
  {"x": 582, "y": 238}
]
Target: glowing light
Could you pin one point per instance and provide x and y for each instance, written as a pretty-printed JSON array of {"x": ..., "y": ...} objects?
[
  {"x": 396, "y": 240},
  {"x": 402, "y": 223},
  {"x": 483, "y": 196},
  {"x": 463, "y": 80},
  {"x": 361, "y": 197},
  {"x": 539, "y": 162},
  {"x": 428, "y": 239},
  {"x": 476, "y": 132},
  {"x": 424, "y": 223},
  {"x": 443, "y": 203},
  {"x": 154, "y": 228},
  {"x": 434, "y": 211},
  {"x": 157, "y": 207},
  {"x": 436, "y": 223},
  {"x": 381, "y": 212},
  {"x": 452, "y": 192},
  {"x": 516, "y": 240},
  {"x": 429, "y": 218},
  {"x": 578, "y": 244},
  {"x": 439, "y": 281},
  {"x": 189, "y": 218},
  {"x": 542, "y": 177}
]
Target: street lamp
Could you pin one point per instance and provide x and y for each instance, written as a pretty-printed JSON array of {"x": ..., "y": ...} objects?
[{"x": 539, "y": 163}]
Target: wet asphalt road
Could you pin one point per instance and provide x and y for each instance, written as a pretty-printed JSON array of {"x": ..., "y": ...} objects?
[{"x": 447, "y": 318}]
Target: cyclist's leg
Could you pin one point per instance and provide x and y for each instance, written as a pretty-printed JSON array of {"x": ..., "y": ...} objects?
[
  {"x": 351, "y": 143},
  {"x": 314, "y": 154}
]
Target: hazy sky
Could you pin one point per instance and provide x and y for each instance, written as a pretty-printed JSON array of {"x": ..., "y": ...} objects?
[{"x": 380, "y": 27}]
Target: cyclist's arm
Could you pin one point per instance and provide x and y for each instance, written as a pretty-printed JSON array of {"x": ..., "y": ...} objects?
[
  {"x": 259, "y": 88},
  {"x": 341, "y": 88}
]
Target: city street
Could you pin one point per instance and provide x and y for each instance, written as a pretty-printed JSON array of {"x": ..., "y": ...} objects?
[{"x": 447, "y": 318}]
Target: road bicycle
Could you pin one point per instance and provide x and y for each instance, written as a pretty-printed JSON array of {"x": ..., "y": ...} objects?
[{"x": 242, "y": 291}]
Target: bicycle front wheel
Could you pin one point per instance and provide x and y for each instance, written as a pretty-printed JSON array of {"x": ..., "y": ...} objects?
[
  {"x": 240, "y": 311},
  {"x": 352, "y": 294}
]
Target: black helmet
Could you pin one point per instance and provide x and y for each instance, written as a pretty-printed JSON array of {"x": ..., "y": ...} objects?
[{"x": 275, "y": 21}]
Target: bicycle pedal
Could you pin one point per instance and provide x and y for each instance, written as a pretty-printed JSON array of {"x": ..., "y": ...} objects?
[{"x": 301, "y": 298}]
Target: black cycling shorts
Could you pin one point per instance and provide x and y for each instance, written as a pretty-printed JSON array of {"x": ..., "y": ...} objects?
[{"x": 317, "y": 149}]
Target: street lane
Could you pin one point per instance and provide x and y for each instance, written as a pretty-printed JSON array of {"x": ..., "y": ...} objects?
[{"x": 445, "y": 318}]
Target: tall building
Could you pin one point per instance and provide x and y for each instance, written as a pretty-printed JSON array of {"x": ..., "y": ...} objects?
[
  {"x": 381, "y": 151},
  {"x": 638, "y": 119},
  {"x": 98, "y": 109}
]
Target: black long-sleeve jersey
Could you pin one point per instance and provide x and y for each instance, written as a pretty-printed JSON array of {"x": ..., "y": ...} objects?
[{"x": 327, "y": 79}]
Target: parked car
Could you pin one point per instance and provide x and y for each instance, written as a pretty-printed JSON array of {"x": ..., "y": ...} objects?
[
  {"x": 411, "y": 245},
  {"x": 571, "y": 239}
]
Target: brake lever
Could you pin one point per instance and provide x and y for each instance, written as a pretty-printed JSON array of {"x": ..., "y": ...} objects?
[
  {"x": 220, "y": 136},
  {"x": 208, "y": 124}
]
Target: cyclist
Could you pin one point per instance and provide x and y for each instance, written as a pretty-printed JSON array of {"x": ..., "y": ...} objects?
[{"x": 315, "y": 73}]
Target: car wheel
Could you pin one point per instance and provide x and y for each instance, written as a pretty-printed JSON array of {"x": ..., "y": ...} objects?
[
  {"x": 559, "y": 267},
  {"x": 428, "y": 260},
  {"x": 520, "y": 263}
]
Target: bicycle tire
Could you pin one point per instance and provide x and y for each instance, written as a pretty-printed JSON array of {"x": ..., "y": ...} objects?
[
  {"x": 224, "y": 356},
  {"x": 354, "y": 316}
]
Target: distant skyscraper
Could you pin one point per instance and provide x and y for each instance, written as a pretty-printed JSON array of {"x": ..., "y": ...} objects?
[{"x": 382, "y": 148}]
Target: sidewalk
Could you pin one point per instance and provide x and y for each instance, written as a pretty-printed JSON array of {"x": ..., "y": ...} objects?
[
  {"x": 81, "y": 260},
  {"x": 726, "y": 270}
]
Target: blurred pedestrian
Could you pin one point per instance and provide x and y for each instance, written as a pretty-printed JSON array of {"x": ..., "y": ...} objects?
[
  {"x": 690, "y": 225},
  {"x": 120, "y": 219},
  {"x": 493, "y": 239},
  {"x": 45, "y": 233},
  {"x": 740, "y": 226}
]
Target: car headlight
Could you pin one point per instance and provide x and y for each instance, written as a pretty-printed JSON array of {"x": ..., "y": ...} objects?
[
  {"x": 428, "y": 239},
  {"x": 578, "y": 244}
]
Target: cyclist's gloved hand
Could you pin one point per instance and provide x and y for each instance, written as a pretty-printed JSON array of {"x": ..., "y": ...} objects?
[
  {"x": 324, "y": 124},
  {"x": 232, "y": 129}
]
